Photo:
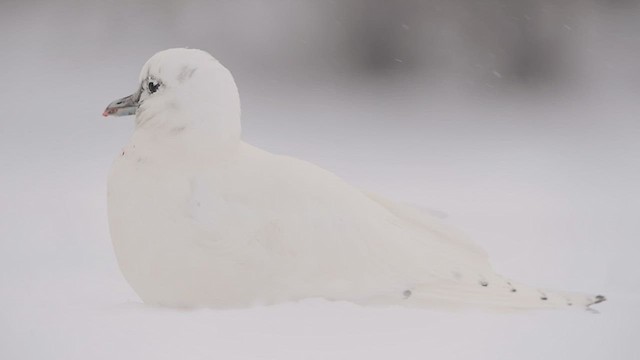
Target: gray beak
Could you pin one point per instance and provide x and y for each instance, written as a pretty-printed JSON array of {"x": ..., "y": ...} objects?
[{"x": 123, "y": 107}]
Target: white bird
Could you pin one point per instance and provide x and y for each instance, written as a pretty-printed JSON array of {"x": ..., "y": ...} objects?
[{"x": 199, "y": 218}]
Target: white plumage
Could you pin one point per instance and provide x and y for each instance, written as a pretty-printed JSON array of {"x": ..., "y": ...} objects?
[{"x": 200, "y": 218}]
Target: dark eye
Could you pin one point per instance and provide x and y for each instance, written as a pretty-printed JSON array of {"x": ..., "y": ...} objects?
[{"x": 153, "y": 86}]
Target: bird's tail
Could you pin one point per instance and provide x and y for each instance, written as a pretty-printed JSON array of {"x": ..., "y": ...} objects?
[{"x": 496, "y": 293}]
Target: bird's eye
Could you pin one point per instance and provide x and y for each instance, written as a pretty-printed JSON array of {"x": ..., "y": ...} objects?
[{"x": 153, "y": 86}]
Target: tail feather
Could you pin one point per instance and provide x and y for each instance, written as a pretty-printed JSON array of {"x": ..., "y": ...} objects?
[{"x": 498, "y": 294}]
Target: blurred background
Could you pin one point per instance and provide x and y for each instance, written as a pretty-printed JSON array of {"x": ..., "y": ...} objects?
[{"x": 517, "y": 118}]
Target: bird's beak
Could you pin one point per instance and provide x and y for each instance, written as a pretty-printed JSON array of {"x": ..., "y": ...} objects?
[{"x": 123, "y": 107}]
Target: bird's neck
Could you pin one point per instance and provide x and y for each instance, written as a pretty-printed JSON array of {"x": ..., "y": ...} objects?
[{"x": 188, "y": 144}]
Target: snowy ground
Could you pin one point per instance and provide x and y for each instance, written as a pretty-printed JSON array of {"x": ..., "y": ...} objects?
[{"x": 548, "y": 187}]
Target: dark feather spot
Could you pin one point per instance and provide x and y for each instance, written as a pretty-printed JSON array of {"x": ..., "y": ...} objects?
[
  {"x": 186, "y": 73},
  {"x": 178, "y": 129},
  {"x": 484, "y": 283}
]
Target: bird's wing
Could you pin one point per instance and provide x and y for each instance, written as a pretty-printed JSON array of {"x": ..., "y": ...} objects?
[
  {"x": 427, "y": 221},
  {"x": 298, "y": 216}
]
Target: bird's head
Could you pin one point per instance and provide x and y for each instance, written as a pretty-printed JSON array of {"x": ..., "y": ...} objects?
[{"x": 182, "y": 89}]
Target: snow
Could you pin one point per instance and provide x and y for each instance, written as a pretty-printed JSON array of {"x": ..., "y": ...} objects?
[{"x": 313, "y": 330}]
